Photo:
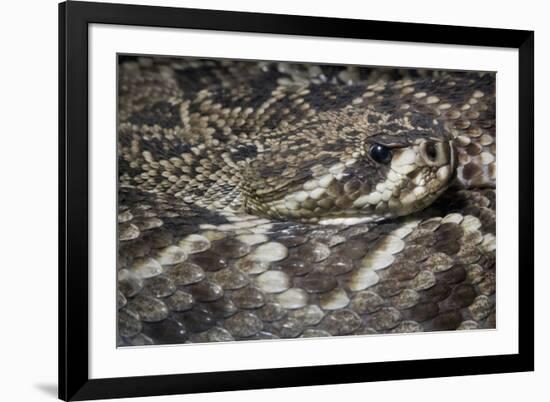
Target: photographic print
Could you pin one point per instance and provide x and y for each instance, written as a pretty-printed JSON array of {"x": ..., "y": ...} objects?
[
  {"x": 262, "y": 200},
  {"x": 253, "y": 200}
]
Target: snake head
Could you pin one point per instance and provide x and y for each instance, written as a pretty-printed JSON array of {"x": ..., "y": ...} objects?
[
  {"x": 358, "y": 167},
  {"x": 390, "y": 180}
]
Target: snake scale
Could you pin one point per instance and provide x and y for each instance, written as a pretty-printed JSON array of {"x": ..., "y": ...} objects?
[{"x": 267, "y": 200}]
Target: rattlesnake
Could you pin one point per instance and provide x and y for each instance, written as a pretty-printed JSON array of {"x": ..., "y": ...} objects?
[{"x": 265, "y": 200}]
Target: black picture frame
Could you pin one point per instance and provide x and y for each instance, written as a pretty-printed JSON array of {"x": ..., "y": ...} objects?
[{"x": 74, "y": 19}]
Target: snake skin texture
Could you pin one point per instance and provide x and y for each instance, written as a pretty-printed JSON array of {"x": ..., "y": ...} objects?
[{"x": 265, "y": 200}]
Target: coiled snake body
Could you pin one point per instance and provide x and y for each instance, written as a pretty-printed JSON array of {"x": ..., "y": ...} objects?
[{"x": 263, "y": 200}]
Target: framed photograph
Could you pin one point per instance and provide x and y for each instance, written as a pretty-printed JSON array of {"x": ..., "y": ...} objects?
[{"x": 256, "y": 200}]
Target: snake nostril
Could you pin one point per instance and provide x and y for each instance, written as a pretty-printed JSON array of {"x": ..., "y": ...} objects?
[
  {"x": 435, "y": 153},
  {"x": 430, "y": 150}
]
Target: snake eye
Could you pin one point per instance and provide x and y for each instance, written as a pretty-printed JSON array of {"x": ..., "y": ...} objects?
[{"x": 380, "y": 153}]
